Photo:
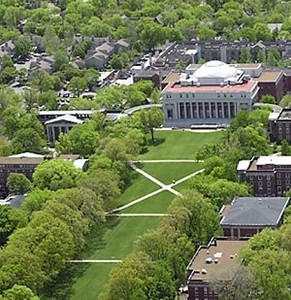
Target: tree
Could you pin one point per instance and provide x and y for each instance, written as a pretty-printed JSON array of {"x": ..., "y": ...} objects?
[
  {"x": 105, "y": 184},
  {"x": 27, "y": 139},
  {"x": 245, "y": 55},
  {"x": 51, "y": 40},
  {"x": 56, "y": 174},
  {"x": 82, "y": 139},
  {"x": 5, "y": 146},
  {"x": 22, "y": 48},
  {"x": 268, "y": 99},
  {"x": 77, "y": 85},
  {"x": 19, "y": 292},
  {"x": 61, "y": 58},
  {"x": 261, "y": 56},
  {"x": 285, "y": 148},
  {"x": 18, "y": 183},
  {"x": 152, "y": 119},
  {"x": 285, "y": 101}
]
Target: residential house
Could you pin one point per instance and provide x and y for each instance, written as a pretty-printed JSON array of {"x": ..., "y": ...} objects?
[
  {"x": 269, "y": 176},
  {"x": 219, "y": 260},
  {"x": 247, "y": 216}
]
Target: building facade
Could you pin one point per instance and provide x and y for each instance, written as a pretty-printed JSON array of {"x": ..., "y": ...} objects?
[
  {"x": 212, "y": 95},
  {"x": 269, "y": 176},
  {"x": 280, "y": 126},
  {"x": 25, "y": 166},
  {"x": 247, "y": 216},
  {"x": 216, "y": 261}
]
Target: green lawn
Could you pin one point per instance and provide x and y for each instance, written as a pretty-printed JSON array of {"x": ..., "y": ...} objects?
[
  {"x": 156, "y": 204},
  {"x": 179, "y": 144},
  {"x": 90, "y": 285},
  {"x": 116, "y": 243},
  {"x": 139, "y": 187},
  {"x": 167, "y": 172},
  {"x": 183, "y": 186},
  {"x": 119, "y": 237}
]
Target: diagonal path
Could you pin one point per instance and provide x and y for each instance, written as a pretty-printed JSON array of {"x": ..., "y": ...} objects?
[
  {"x": 168, "y": 161},
  {"x": 137, "y": 215},
  {"x": 102, "y": 261}
]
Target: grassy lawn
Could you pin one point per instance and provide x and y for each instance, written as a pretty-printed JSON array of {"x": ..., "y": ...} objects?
[
  {"x": 90, "y": 285},
  {"x": 156, "y": 204},
  {"x": 116, "y": 243},
  {"x": 167, "y": 172},
  {"x": 179, "y": 144},
  {"x": 118, "y": 239},
  {"x": 183, "y": 186},
  {"x": 140, "y": 186}
]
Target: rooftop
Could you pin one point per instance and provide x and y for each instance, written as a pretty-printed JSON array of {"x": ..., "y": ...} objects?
[
  {"x": 176, "y": 87},
  {"x": 269, "y": 76},
  {"x": 20, "y": 160},
  {"x": 219, "y": 256},
  {"x": 65, "y": 118},
  {"x": 284, "y": 115},
  {"x": 274, "y": 160},
  {"x": 249, "y": 211}
]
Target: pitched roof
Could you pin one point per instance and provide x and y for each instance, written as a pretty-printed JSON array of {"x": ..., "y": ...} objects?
[
  {"x": 256, "y": 211},
  {"x": 65, "y": 118}
]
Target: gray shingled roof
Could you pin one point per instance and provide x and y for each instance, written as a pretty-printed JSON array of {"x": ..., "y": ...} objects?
[{"x": 255, "y": 211}]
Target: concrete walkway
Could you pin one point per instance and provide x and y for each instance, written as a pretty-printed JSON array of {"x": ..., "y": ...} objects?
[
  {"x": 101, "y": 261},
  {"x": 137, "y": 215}
]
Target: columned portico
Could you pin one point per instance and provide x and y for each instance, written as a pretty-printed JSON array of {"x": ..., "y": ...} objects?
[{"x": 213, "y": 94}]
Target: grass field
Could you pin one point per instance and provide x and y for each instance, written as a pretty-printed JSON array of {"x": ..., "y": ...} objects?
[
  {"x": 140, "y": 186},
  {"x": 167, "y": 172},
  {"x": 156, "y": 204},
  {"x": 92, "y": 282},
  {"x": 116, "y": 243},
  {"x": 179, "y": 144}
]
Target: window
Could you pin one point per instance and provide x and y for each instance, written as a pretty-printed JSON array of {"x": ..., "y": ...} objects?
[
  {"x": 279, "y": 190},
  {"x": 268, "y": 183},
  {"x": 181, "y": 96},
  {"x": 279, "y": 182},
  {"x": 269, "y": 191},
  {"x": 260, "y": 177},
  {"x": 279, "y": 175},
  {"x": 260, "y": 183}
]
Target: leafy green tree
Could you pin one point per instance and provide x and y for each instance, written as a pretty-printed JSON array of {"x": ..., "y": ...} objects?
[
  {"x": 245, "y": 55},
  {"x": 56, "y": 174},
  {"x": 5, "y": 146},
  {"x": 22, "y": 48},
  {"x": 268, "y": 99},
  {"x": 20, "y": 292},
  {"x": 82, "y": 139},
  {"x": 18, "y": 183},
  {"x": 27, "y": 139},
  {"x": 152, "y": 119},
  {"x": 285, "y": 101},
  {"x": 261, "y": 56},
  {"x": 105, "y": 184},
  {"x": 51, "y": 40},
  {"x": 77, "y": 85},
  {"x": 285, "y": 148},
  {"x": 61, "y": 58}
]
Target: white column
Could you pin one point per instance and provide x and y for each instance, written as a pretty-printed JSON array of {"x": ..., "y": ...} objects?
[
  {"x": 203, "y": 106},
  {"x": 191, "y": 111},
  {"x": 197, "y": 109},
  {"x": 222, "y": 109},
  {"x": 178, "y": 110},
  {"x": 229, "y": 110},
  {"x": 210, "y": 110},
  {"x": 185, "y": 112},
  {"x": 216, "y": 110}
]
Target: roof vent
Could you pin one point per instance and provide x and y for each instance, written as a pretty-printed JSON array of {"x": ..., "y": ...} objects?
[
  {"x": 203, "y": 271},
  {"x": 208, "y": 260},
  {"x": 197, "y": 271},
  {"x": 231, "y": 256},
  {"x": 216, "y": 261}
]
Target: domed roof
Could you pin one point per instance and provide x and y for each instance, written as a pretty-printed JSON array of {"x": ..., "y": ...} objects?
[{"x": 215, "y": 69}]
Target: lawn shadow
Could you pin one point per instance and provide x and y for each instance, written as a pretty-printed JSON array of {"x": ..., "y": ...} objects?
[
  {"x": 62, "y": 287},
  {"x": 156, "y": 142}
]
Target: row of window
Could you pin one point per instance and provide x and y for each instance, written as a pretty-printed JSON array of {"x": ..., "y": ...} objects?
[{"x": 193, "y": 95}]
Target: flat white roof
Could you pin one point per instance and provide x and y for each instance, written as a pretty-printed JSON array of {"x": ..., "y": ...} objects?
[
  {"x": 273, "y": 116},
  {"x": 65, "y": 118},
  {"x": 243, "y": 165},
  {"x": 274, "y": 160},
  {"x": 80, "y": 163}
]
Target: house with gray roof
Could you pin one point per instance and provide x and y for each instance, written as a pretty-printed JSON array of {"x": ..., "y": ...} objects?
[{"x": 247, "y": 216}]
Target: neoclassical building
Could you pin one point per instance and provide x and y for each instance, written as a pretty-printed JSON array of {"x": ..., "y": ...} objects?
[{"x": 210, "y": 95}]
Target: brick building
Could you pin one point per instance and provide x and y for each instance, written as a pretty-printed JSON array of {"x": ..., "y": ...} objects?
[
  {"x": 219, "y": 259},
  {"x": 247, "y": 216},
  {"x": 25, "y": 166},
  {"x": 269, "y": 176},
  {"x": 280, "y": 125}
]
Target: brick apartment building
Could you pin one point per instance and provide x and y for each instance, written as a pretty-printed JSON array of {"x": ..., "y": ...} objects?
[
  {"x": 25, "y": 166},
  {"x": 219, "y": 259},
  {"x": 269, "y": 176},
  {"x": 280, "y": 125},
  {"x": 247, "y": 216}
]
